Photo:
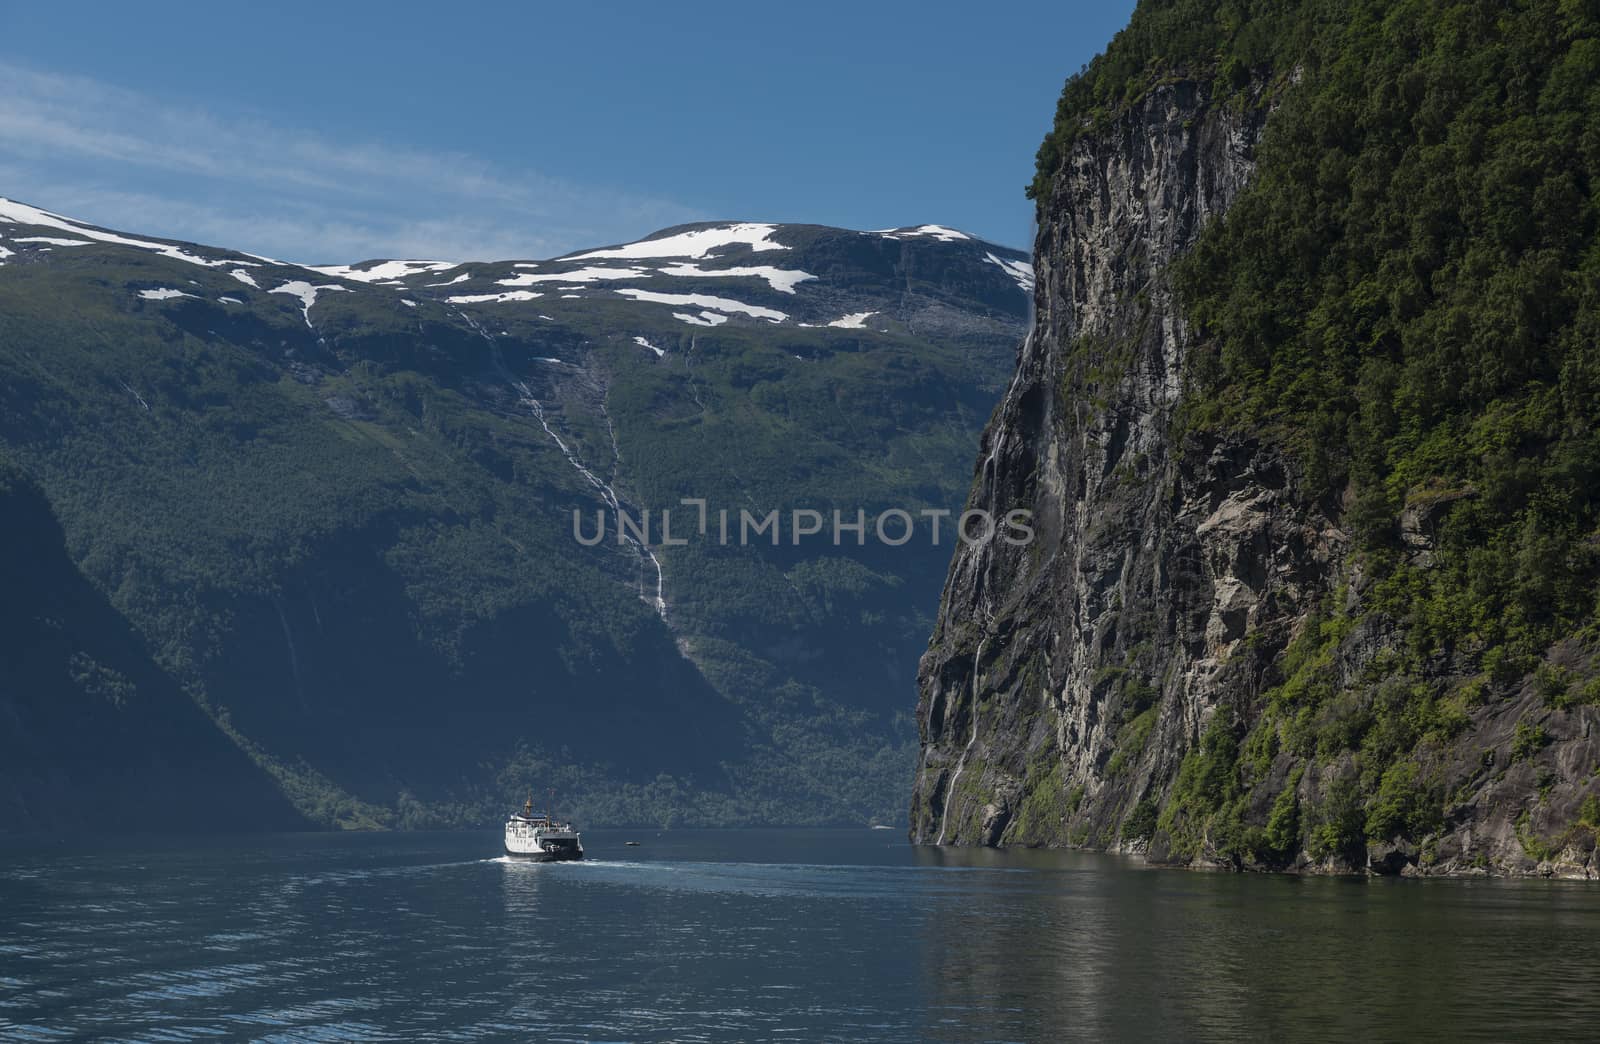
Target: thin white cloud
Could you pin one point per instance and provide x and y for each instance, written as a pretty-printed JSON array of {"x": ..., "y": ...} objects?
[{"x": 119, "y": 158}]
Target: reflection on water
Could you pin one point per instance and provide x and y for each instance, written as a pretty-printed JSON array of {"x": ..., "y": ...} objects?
[
  {"x": 766, "y": 935},
  {"x": 1099, "y": 949}
]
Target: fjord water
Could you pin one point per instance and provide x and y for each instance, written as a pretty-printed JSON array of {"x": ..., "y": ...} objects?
[{"x": 802, "y": 935}]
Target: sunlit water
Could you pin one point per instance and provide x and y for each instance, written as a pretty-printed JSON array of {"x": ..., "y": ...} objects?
[{"x": 802, "y": 935}]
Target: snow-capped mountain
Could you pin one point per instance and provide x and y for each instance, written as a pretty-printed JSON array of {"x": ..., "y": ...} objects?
[
  {"x": 701, "y": 275},
  {"x": 708, "y": 274},
  {"x": 339, "y": 500}
]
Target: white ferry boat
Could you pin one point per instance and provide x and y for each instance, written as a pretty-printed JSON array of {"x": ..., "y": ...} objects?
[{"x": 540, "y": 837}]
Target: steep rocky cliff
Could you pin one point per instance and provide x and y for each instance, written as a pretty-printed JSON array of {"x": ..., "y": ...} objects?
[
  {"x": 1202, "y": 655},
  {"x": 1117, "y": 623}
]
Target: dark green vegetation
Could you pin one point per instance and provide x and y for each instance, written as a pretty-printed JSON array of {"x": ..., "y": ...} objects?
[
  {"x": 342, "y": 550},
  {"x": 1407, "y": 297},
  {"x": 94, "y": 730},
  {"x": 1411, "y": 294}
]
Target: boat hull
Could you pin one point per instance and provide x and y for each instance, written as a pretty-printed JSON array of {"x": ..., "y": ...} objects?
[{"x": 545, "y": 857}]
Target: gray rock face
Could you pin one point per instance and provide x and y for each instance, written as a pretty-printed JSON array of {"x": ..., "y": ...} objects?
[
  {"x": 1067, "y": 679},
  {"x": 1147, "y": 562}
]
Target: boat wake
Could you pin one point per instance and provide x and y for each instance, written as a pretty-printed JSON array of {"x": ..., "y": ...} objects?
[{"x": 589, "y": 861}]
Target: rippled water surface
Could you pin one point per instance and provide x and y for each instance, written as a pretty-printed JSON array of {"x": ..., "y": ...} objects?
[{"x": 756, "y": 935}]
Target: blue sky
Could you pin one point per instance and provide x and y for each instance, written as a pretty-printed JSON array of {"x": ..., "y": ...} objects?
[{"x": 336, "y": 132}]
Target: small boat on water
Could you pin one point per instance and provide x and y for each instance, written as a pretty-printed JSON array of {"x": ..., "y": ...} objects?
[{"x": 540, "y": 837}]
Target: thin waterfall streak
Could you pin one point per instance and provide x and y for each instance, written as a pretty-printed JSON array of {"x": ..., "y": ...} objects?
[{"x": 526, "y": 398}]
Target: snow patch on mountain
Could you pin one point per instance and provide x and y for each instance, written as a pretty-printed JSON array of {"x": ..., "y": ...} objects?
[
  {"x": 857, "y": 321},
  {"x": 51, "y": 240},
  {"x": 582, "y": 275},
  {"x": 245, "y": 277},
  {"x": 509, "y": 295},
  {"x": 307, "y": 295},
  {"x": 164, "y": 294},
  {"x": 703, "y": 319},
  {"x": 721, "y": 304},
  {"x": 780, "y": 279},
  {"x": 382, "y": 270},
  {"x": 644, "y": 343},
  {"x": 303, "y": 290},
  {"x": 1021, "y": 271},
  {"x": 939, "y": 232},
  {"x": 21, "y": 214},
  {"x": 696, "y": 243}
]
